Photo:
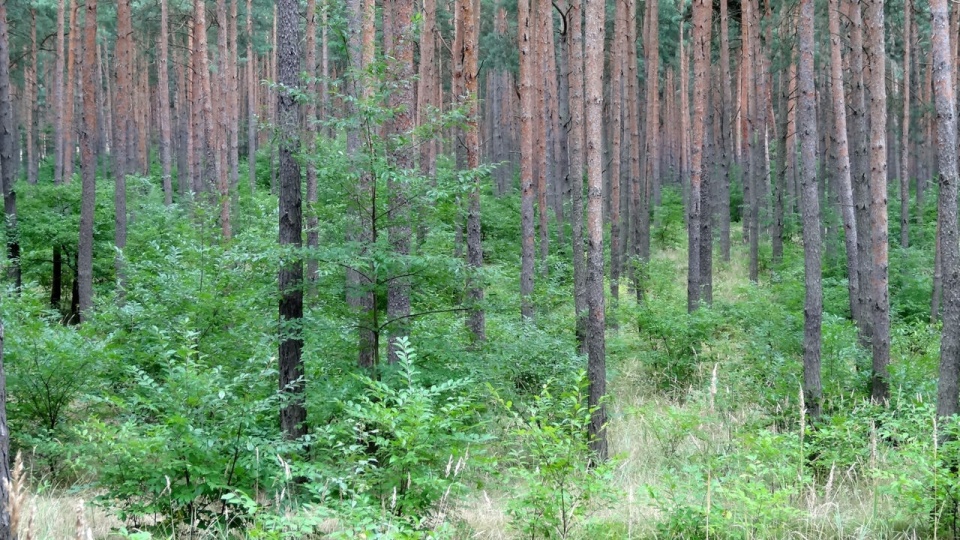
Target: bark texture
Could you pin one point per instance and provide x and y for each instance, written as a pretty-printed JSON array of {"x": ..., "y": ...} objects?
[
  {"x": 948, "y": 390},
  {"x": 593, "y": 130},
  {"x": 293, "y": 415},
  {"x": 810, "y": 210}
]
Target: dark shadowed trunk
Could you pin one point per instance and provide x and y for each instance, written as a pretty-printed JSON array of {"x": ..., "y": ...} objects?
[{"x": 293, "y": 415}]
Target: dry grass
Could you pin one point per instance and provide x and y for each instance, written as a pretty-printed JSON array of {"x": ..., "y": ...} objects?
[{"x": 842, "y": 505}]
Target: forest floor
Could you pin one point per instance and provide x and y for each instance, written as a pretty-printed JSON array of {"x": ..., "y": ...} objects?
[{"x": 700, "y": 458}]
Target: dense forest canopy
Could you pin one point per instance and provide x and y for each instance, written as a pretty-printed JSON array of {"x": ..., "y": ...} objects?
[{"x": 479, "y": 269}]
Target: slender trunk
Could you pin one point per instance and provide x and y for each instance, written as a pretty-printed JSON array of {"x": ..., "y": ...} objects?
[
  {"x": 576, "y": 158},
  {"x": 33, "y": 111},
  {"x": 73, "y": 60},
  {"x": 527, "y": 68},
  {"x": 251, "y": 103},
  {"x": 163, "y": 93},
  {"x": 310, "y": 135},
  {"x": 124, "y": 131},
  {"x": 222, "y": 129},
  {"x": 58, "y": 96},
  {"x": 540, "y": 10},
  {"x": 810, "y": 209},
  {"x": 404, "y": 101},
  {"x": 593, "y": 107},
  {"x": 905, "y": 131},
  {"x": 948, "y": 387},
  {"x": 858, "y": 164},
  {"x": 701, "y": 58},
  {"x": 616, "y": 128},
  {"x": 88, "y": 164},
  {"x": 726, "y": 133},
  {"x": 293, "y": 414},
  {"x": 233, "y": 95},
  {"x": 470, "y": 18},
  {"x": 8, "y": 169},
  {"x": 842, "y": 163},
  {"x": 880, "y": 301},
  {"x": 651, "y": 178}
]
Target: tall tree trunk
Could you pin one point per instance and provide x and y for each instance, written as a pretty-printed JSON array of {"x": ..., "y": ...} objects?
[
  {"x": 88, "y": 163},
  {"x": 616, "y": 120},
  {"x": 593, "y": 108},
  {"x": 223, "y": 127},
  {"x": 905, "y": 131},
  {"x": 859, "y": 166},
  {"x": 360, "y": 282},
  {"x": 32, "y": 99},
  {"x": 842, "y": 162},
  {"x": 8, "y": 167},
  {"x": 233, "y": 95},
  {"x": 639, "y": 214},
  {"x": 163, "y": 91},
  {"x": 880, "y": 301},
  {"x": 701, "y": 58},
  {"x": 310, "y": 135},
  {"x": 398, "y": 290},
  {"x": 251, "y": 103},
  {"x": 124, "y": 131},
  {"x": 540, "y": 11},
  {"x": 58, "y": 96},
  {"x": 726, "y": 133},
  {"x": 810, "y": 209},
  {"x": 293, "y": 415},
  {"x": 948, "y": 387},
  {"x": 470, "y": 18},
  {"x": 576, "y": 158},
  {"x": 651, "y": 177},
  {"x": 526, "y": 22},
  {"x": 73, "y": 61}
]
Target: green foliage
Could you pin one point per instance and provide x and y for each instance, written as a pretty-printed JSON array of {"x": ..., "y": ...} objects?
[
  {"x": 408, "y": 442},
  {"x": 549, "y": 460},
  {"x": 185, "y": 437}
]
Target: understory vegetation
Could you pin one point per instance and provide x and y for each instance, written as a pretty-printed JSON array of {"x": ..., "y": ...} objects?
[{"x": 160, "y": 411}]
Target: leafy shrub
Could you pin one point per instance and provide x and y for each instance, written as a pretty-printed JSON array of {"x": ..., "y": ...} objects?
[{"x": 550, "y": 463}]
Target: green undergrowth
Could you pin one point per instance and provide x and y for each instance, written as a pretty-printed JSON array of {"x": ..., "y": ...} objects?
[{"x": 163, "y": 405}]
